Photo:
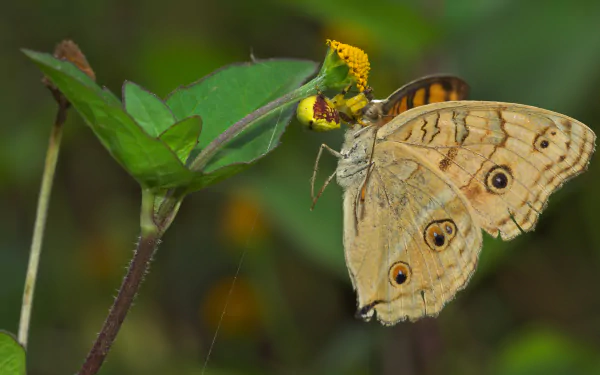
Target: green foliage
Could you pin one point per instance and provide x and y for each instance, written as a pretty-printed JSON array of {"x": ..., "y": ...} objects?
[
  {"x": 182, "y": 137},
  {"x": 152, "y": 140},
  {"x": 231, "y": 93},
  {"x": 12, "y": 355},
  {"x": 147, "y": 109},
  {"x": 149, "y": 160}
]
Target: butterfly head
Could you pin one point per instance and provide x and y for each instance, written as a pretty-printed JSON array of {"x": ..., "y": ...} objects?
[{"x": 372, "y": 113}]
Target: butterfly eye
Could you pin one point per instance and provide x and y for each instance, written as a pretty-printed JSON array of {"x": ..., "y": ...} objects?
[
  {"x": 498, "y": 179},
  {"x": 399, "y": 273},
  {"x": 439, "y": 233}
]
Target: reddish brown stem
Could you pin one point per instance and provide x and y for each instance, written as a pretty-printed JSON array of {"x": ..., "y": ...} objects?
[{"x": 135, "y": 274}]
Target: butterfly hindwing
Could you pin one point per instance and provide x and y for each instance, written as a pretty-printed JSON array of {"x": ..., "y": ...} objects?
[{"x": 411, "y": 244}]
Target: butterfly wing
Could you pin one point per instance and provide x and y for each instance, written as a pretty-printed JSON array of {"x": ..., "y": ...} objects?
[
  {"x": 411, "y": 243},
  {"x": 426, "y": 90},
  {"x": 505, "y": 158}
]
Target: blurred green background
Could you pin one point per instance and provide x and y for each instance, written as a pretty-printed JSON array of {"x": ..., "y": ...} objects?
[{"x": 532, "y": 307}]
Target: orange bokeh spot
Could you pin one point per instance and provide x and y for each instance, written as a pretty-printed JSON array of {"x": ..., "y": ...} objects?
[{"x": 240, "y": 304}]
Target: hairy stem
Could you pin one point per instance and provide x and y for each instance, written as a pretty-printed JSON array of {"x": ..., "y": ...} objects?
[
  {"x": 40, "y": 219},
  {"x": 138, "y": 267}
]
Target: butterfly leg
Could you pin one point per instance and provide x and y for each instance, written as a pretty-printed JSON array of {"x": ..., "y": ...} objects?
[
  {"x": 315, "y": 199},
  {"x": 314, "y": 176}
]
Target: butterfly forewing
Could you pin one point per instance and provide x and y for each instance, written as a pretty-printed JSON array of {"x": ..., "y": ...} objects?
[
  {"x": 505, "y": 158},
  {"x": 426, "y": 90}
]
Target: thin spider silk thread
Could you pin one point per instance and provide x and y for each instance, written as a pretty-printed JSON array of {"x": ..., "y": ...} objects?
[{"x": 239, "y": 267}]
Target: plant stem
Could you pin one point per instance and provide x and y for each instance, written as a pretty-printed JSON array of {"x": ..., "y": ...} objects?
[
  {"x": 138, "y": 267},
  {"x": 168, "y": 209},
  {"x": 211, "y": 149},
  {"x": 40, "y": 219}
]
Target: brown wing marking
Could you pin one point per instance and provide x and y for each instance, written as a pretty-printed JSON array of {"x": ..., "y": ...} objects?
[{"x": 431, "y": 89}]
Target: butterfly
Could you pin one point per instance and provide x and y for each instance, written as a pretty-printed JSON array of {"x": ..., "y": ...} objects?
[{"x": 422, "y": 182}]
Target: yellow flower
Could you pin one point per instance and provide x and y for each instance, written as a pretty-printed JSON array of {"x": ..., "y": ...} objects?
[
  {"x": 356, "y": 60},
  {"x": 344, "y": 66}
]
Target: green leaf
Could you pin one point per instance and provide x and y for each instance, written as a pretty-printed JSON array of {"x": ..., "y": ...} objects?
[
  {"x": 149, "y": 160},
  {"x": 151, "y": 113},
  {"x": 109, "y": 97},
  {"x": 256, "y": 141},
  {"x": 183, "y": 136},
  {"x": 12, "y": 355},
  {"x": 222, "y": 99},
  {"x": 231, "y": 93},
  {"x": 242, "y": 146},
  {"x": 202, "y": 180}
]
